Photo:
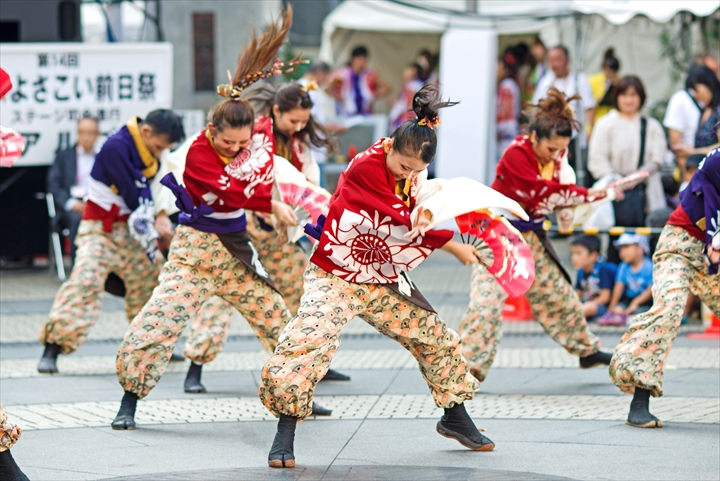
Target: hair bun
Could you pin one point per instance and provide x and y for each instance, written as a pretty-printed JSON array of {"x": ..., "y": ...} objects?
[{"x": 427, "y": 102}]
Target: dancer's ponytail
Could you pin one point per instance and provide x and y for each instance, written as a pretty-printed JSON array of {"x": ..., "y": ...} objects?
[
  {"x": 553, "y": 116},
  {"x": 416, "y": 138},
  {"x": 234, "y": 111}
]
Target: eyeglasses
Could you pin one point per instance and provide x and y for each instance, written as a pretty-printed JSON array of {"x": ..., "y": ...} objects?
[{"x": 88, "y": 132}]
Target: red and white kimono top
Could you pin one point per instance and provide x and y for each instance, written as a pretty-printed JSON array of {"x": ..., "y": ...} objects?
[
  {"x": 362, "y": 238},
  {"x": 539, "y": 189}
]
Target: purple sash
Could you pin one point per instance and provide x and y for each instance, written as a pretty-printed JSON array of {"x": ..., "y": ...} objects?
[{"x": 195, "y": 217}]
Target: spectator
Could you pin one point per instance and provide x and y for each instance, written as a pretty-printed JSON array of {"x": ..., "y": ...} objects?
[
  {"x": 623, "y": 143},
  {"x": 428, "y": 62},
  {"x": 632, "y": 293},
  {"x": 508, "y": 102},
  {"x": 707, "y": 86},
  {"x": 539, "y": 70},
  {"x": 682, "y": 118},
  {"x": 69, "y": 178},
  {"x": 710, "y": 62},
  {"x": 671, "y": 188},
  {"x": 402, "y": 107},
  {"x": 595, "y": 277},
  {"x": 570, "y": 83},
  {"x": 324, "y": 108},
  {"x": 602, "y": 84},
  {"x": 356, "y": 87}
]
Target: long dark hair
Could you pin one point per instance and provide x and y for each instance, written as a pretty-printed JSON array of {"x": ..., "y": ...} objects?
[
  {"x": 413, "y": 139},
  {"x": 288, "y": 97},
  {"x": 259, "y": 52},
  {"x": 701, "y": 74},
  {"x": 610, "y": 61},
  {"x": 553, "y": 115}
]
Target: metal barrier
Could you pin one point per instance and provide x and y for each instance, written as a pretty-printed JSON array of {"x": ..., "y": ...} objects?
[{"x": 614, "y": 231}]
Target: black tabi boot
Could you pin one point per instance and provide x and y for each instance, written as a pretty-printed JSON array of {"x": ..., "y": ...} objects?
[
  {"x": 125, "y": 418},
  {"x": 48, "y": 361},
  {"x": 456, "y": 424},
  {"x": 333, "y": 375},
  {"x": 282, "y": 453},
  {"x": 177, "y": 358},
  {"x": 639, "y": 415},
  {"x": 598, "y": 359},
  {"x": 318, "y": 410},
  {"x": 192, "y": 381},
  {"x": 9, "y": 470}
]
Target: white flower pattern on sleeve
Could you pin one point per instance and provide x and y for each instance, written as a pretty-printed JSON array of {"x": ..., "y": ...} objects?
[
  {"x": 251, "y": 165},
  {"x": 558, "y": 200},
  {"x": 368, "y": 249}
]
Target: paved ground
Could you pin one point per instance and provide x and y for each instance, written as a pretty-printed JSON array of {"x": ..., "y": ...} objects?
[{"x": 549, "y": 419}]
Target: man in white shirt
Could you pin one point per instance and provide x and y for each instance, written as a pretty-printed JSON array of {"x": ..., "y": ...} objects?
[
  {"x": 569, "y": 82},
  {"x": 69, "y": 177},
  {"x": 682, "y": 118}
]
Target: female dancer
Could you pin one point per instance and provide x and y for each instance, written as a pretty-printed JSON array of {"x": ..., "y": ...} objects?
[
  {"x": 285, "y": 120},
  {"x": 529, "y": 172},
  {"x": 227, "y": 170},
  {"x": 364, "y": 248},
  {"x": 686, "y": 260}
]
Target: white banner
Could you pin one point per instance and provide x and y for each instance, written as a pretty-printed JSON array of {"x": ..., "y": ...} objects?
[{"x": 56, "y": 84}]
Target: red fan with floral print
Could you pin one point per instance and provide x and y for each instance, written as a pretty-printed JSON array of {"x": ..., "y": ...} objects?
[
  {"x": 309, "y": 202},
  {"x": 501, "y": 248},
  {"x": 12, "y": 146}
]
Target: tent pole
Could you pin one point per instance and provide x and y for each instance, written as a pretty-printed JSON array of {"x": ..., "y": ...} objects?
[{"x": 579, "y": 112}]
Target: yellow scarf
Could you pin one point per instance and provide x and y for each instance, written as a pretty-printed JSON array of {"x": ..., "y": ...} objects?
[
  {"x": 547, "y": 170},
  {"x": 227, "y": 160},
  {"x": 402, "y": 189},
  {"x": 148, "y": 159}
]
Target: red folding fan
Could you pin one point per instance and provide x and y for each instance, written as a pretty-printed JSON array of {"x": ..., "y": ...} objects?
[
  {"x": 12, "y": 146},
  {"x": 501, "y": 248}
]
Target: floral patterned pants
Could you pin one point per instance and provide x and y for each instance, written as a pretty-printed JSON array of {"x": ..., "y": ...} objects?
[
  {"x": 9, "y": 433},
  {"x": 79, "y": 301},
  {"x": 285, "y": 263},
  {"x": 309, "y": 342},
  {"x": 199, "y": 267},
  {"x": 678, "y": 270},
  {"x": 553, "y": 301}
]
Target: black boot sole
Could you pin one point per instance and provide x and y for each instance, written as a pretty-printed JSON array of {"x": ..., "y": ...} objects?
[
  {"x": 123, "y": 423},
  {"x": 650, "y": 425},
  {"x": 197, "y": 389},
  {"x": 47, "y": 365},
  {"x": 335, "y": 376},
  {"x": 318, "y": 410},
  {"x": 280, "y": 463},
  {"x": 593, "y": 365},
  {"x": 445, "y": 432}
]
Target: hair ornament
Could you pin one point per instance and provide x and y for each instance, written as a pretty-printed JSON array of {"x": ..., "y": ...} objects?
[
  {"x": 509, "y": 59},
  {"x": 277, "y": 68},
  {"x": 432, "y": 124},
  {"x": 310, "y": 86},
  {"x": 569, "y": 111}
]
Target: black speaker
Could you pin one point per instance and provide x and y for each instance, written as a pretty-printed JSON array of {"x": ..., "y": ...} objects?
[{"x": 40, "y": 21}]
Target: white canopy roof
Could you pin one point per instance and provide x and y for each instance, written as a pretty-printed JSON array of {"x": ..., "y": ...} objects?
[{"x": 433, "y": 16}]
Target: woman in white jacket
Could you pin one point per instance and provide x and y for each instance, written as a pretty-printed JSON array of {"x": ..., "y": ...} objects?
[{"x": 615, "y": 143}]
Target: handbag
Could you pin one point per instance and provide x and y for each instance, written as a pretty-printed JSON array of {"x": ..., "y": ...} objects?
[{"x": 630, "y": 211}]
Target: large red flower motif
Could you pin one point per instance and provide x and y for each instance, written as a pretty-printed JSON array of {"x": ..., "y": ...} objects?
[{"x": 368, "y": 249}]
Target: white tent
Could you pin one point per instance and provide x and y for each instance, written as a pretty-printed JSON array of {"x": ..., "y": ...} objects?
[{"x": 394, "y": 32}]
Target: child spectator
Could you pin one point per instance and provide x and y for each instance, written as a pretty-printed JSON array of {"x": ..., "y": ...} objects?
[
  {"x": 632, "y": 293},
  {"x": 595, "y": 276}
]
